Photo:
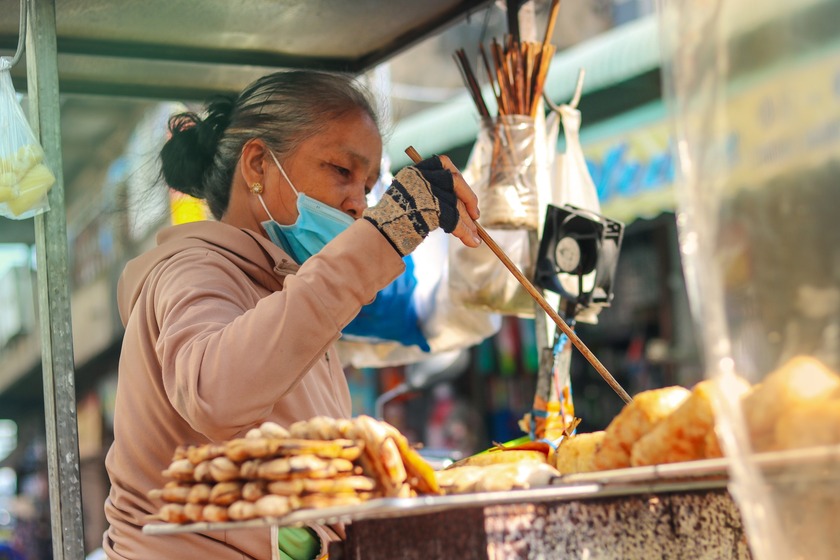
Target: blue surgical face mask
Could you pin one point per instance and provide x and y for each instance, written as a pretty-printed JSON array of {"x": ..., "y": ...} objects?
[{"x": 317, "y": 224}]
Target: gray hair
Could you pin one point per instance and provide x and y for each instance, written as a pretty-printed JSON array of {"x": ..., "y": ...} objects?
[{"x": 283, "y": 109}]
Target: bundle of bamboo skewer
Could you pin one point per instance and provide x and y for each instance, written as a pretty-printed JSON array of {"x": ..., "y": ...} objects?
[{"x": 517, "y": 73}]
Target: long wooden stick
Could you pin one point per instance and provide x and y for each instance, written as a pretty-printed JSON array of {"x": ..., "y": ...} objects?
[
  {"x": 470, "y": 80},
  {"x": 490, "y": 79},
  {"x": 538, "y": 297},
  {"x": 552, "y": 18}
]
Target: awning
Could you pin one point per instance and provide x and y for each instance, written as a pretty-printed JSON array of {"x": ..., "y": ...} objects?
[{"x": 181, "y": 49}]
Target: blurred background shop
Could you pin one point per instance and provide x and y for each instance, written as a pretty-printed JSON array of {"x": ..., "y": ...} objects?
[{"x": 115, "y": 206}]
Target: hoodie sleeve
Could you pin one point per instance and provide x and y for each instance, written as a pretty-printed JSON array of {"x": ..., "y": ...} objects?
[{"x": 228, "y": 356}]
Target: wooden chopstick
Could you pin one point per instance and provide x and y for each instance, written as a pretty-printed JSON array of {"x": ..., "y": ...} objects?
[
  {"x": 470, "y": 80},
  {"x": 538, "y": 297},
  {"x": 552, "y": 18},
  {"x": 483, "y": 55}
]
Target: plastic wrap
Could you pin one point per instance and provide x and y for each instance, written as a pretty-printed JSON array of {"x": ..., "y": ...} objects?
[{"x": 753, "y": 91}]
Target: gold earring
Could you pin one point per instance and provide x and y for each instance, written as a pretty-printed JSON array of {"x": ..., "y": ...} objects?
[{"x": 256, "y": 188}]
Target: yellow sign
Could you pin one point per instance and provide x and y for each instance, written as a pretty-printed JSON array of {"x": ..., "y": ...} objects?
[{"x": 187, "y": 209}]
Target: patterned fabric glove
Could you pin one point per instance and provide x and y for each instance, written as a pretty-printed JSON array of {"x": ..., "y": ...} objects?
[{"x": 421, "y": 198}]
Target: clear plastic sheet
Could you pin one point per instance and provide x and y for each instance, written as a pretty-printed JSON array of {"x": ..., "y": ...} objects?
[{"x": 753, "y": 91}]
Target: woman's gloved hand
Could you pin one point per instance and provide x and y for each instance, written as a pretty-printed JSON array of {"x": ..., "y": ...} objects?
[{"x": 421, "y": 198}]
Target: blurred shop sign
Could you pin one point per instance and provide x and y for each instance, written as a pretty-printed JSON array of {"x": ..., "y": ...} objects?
[
  {"x": 784, "y": 119},
  {"x": 788, "y": 119},
  {"x": 634, "y": 172}
]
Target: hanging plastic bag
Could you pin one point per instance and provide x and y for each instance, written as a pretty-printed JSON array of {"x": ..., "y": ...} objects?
[
  {"x": 574, "y": 186},
  {"x": 24, "y": 179},
  {"x": 509, "y": 197}
]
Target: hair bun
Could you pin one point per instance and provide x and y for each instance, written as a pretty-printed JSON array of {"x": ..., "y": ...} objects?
[
  {"x": 219, "y": 114},
  {"x": 190, "y": 150}
]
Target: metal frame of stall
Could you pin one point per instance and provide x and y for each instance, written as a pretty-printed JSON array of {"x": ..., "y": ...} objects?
[
  {"x": 38, "y": 24},
  {"x": 57, "y": 359}
]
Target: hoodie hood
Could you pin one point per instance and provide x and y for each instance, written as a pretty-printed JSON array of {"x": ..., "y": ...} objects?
[{"x": 265, "y": 263}]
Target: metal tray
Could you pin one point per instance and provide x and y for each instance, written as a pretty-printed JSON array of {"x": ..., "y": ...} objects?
[{"x": 675, "y": 477}]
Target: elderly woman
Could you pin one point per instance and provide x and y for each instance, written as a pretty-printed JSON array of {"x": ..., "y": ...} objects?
[{"x": 230, "y": 323}]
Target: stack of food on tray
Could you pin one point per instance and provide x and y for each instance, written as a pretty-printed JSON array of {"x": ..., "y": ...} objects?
[
  {"x": 322, "y": 462},
  {"x": 797, "y": 405}
]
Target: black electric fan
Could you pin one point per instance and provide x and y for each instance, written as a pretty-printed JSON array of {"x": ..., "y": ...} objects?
[{"x": 577, "y": 256}]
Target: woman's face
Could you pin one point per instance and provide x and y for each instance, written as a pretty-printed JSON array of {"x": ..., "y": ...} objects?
[{"x": 338, "y": 167}]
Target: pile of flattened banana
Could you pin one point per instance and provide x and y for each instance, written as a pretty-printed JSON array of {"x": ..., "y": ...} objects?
[{"x": 272, "y": 471}]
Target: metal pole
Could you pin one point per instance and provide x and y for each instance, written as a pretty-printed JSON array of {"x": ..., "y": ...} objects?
[
  {"x": 522, "y": 13},
  {"x": 54, "y": 292}
]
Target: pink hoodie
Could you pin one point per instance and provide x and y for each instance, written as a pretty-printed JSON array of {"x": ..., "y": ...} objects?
[{"x": 223, "y": 331}]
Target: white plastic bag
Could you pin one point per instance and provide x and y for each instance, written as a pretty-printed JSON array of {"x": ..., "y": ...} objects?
[
  {"x": 24, "y": 179},
  {"x": 574, "y": 185}
]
